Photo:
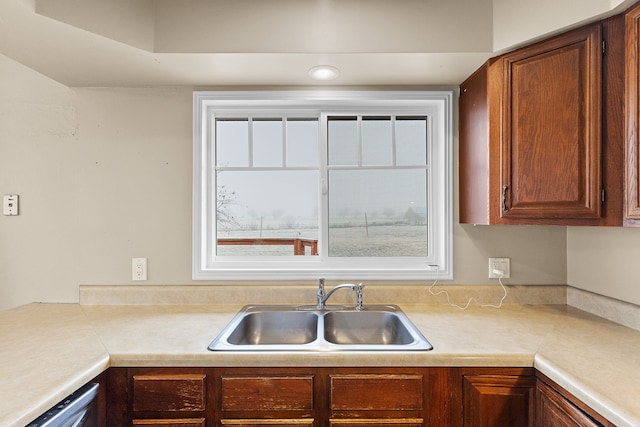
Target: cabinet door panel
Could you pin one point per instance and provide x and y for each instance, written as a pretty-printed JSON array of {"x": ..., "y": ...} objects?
[
  {"x": 632, "y": 90},
  {"x": 496, "y": 400},
  {"x": 267, "y": 393},
  {"x": 168, "y": 392},
  {"x": 552, "y": 410},
  {"x": 552, "y": 128},
  {"x": 385, "y": 392}
]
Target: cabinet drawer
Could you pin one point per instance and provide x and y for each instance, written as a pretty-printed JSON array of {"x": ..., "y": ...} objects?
[
  {"x": 403, "y": 422},
  {"x": 186, "y": 422},
  {"x": 173, "y": 393},
  {"x": 273, "y": 393},
  {"x": 302, "y": 422},
  {"x": 384, "y": 392}
]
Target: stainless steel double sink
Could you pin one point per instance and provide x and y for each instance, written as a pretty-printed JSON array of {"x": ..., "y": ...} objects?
[{"x": 290, "y": 328}]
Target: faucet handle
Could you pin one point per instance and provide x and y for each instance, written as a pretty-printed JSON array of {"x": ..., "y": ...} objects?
[
  {"x": 359, "y": 296},
  {"x": 320, "y": 295}
]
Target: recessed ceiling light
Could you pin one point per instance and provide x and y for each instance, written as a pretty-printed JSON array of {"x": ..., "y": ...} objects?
[{"x": 324, "y": 72}]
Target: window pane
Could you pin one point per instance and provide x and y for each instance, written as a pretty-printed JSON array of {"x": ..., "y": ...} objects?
[
  {"x": 343, "y": 141},
  {"x": 259, "y": 205},
  {"x": 302, "y": 143},
  {"x": 376, "y": 141},
  {"x": 232, "y": 143},
  {"x": 411, "y": 141},
  {"x": 267, "y": 143},
  {"x": 377, "y": 213}
]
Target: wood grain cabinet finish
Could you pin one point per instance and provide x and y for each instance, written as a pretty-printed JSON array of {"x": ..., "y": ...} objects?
[
  {"x": 340, "y": 397},
  {"x": 554, "y": 410},
  {"x": 632, "y": 115},
  {"x": 556, "y": 407},
  {"x": 476, "y": 157},
  {"x": 498, "y": 400},
  {"x": 551, "y": 128},
  {"x": 169, "y": 392},
  {"x": 175, "y": 422},
  {"x": 268, "y": 422},
  {"x": 267, "y": 393},
  {"x": 376, "y": 399},
  {"x": 267, "y": 397},
  {"x": 167, "y": 397},
  {"x": 541, "y": 129}
]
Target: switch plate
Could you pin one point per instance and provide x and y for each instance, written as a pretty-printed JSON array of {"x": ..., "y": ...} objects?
[
  {"x": 138, "y": 268},
  {"x": 500, "y": 264},
  {"x": 10, "y": 204}
]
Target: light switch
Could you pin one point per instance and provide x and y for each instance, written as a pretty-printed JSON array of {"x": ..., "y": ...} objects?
[{"x": 10, "y": 204}]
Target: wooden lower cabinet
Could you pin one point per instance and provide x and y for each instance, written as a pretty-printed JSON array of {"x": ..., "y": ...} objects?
[
  {"x": 340, "y": 397},
  {"x": 167, "y": 397},
  {"x": 499, "y": 398},
  {"x": 555, "y": 407}
]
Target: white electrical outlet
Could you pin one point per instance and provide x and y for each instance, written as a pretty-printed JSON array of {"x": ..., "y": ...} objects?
[
  {"x": 499, "y": 268},
  {"x": 139, "y": 268}
]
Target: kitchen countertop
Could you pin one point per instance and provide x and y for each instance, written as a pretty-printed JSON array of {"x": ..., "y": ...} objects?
[{"x": 49, "y": 350}]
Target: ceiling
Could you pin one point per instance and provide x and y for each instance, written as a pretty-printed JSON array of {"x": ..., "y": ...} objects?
[{"x": 239, "y": 43}]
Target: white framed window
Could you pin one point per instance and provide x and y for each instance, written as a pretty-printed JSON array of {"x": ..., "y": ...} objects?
[{"x": 337, "y": 184}]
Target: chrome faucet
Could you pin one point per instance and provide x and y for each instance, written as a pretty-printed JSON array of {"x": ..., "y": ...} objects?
[{"x": 322, "y": 297}]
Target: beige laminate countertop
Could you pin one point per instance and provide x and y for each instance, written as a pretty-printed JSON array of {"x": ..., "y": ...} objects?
[{"x": 49, "y": 350}]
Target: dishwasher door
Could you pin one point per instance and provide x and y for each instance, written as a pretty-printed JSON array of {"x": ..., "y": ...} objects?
[{"x": 77, "y": 410}]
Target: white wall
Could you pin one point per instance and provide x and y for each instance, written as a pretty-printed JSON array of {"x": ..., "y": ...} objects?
[
  {"x": 38, "y": 139},
  {"x": 519, "y": 21},
  {"x": 605, "y": 261},
  {"x": 104, "y": 175}
]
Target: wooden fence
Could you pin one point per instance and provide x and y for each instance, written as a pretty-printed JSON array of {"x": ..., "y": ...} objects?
[{"x": 298, "y": 244}]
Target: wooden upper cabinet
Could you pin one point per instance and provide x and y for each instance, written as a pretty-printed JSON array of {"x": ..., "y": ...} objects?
[
  {"x": 551, "y": 127},
  {"x": 632, "y": 113},
  {"x": 474, "y": 153},
  {"x": 540, "y": 132}
]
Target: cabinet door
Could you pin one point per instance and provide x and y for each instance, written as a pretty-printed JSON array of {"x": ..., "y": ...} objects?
[
  {"x": 632, "y": 90},
  {"x": 554, "y": 410},
  {"x": 552, "y": 128},
  {"x": 168, "y": 397},
  {"x": 498, "y": 400}
]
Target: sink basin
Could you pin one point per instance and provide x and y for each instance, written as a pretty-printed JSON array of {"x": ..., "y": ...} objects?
[
  {"x": 287, "y": 328},
  {"x": 366, "y": 327},
  {"x": 275, "y": 327}
]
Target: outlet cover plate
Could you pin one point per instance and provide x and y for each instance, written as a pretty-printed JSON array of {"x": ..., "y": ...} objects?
[
  {"x": 501, "y": 264},
  {"x": 138, "y": 268}
]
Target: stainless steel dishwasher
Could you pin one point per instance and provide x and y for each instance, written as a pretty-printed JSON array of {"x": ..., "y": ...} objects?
[{"x": 78, "y": 410}]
